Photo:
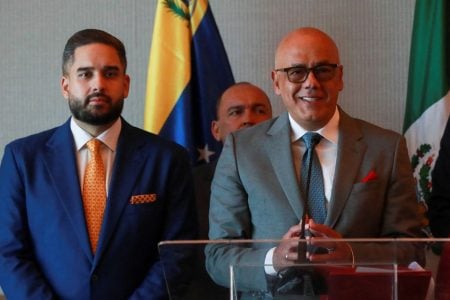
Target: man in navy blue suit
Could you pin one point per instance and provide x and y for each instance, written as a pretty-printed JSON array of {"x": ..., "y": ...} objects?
[
  {"x": 45, "y": 247},
  {"x": 439, "y": 202}
]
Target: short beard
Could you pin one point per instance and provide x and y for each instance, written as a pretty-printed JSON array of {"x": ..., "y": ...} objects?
[{"x": 79, "y": 111}]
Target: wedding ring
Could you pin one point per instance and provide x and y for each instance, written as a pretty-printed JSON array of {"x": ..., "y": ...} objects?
[
  {"x": 331, "y": 249},
  {"x": 286, "y": 256}
]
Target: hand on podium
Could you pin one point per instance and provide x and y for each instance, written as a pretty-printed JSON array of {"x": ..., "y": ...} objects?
[
  {"x": 286, "y": 254},
  {"x": 319, "y": 249}
]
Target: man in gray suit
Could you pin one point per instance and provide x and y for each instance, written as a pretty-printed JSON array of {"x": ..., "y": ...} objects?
[
  {"x": 368, "y": 184},
  {"x": 240, "y": 106}
]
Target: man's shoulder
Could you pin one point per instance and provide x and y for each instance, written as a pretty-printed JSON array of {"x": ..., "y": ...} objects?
[
  {"x": 257, "y": 130},
  {"x": 34, "y": 140},
  {"x": 372, "y": 129},
  {"x": 134, "y": 133},
  {"x": 134, "y": 137},
  {"x": 367, "y": 129}
]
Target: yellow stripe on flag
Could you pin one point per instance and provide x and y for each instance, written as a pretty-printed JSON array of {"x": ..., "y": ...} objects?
[
  {"x": 198, "y": 13},
  {"x": 169, "y": 70}
]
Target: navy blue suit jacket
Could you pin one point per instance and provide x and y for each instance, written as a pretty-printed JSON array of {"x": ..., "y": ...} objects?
[
  {"x": 44, "y": 245},
  {"x": 439, "y": 202}
]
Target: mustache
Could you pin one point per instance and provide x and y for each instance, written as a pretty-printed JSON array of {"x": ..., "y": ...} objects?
[{"x": 98, "y": 94}]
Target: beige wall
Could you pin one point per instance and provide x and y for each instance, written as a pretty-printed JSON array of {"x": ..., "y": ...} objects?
[{"x": 373, "y": 35}]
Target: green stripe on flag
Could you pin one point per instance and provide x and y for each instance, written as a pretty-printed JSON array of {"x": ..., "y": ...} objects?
[{"x": 428, "y": 78}]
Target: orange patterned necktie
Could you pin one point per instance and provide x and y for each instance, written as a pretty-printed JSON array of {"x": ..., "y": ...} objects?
[{"x": 94, "y": 192}]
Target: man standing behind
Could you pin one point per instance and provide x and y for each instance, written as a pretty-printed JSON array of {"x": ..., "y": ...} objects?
[
  {"x": 259, "y": 192},
  {"x": 241, "y": 105},
  {"x": 84, "y": 205}
]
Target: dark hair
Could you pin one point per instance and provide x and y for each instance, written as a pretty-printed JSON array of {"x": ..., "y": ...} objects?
[{"x": 91, "y": 36}]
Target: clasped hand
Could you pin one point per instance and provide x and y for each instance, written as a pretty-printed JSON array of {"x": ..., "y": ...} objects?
[{"x": 286, "y": 253}]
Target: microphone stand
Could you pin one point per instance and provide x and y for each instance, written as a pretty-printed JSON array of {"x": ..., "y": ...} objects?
[
  {"x": 303, "y": 248},
  {"x": 303, "y": 277}
]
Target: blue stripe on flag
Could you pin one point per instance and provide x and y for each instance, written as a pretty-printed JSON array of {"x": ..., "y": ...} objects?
[{"x": 189, "y": 122}]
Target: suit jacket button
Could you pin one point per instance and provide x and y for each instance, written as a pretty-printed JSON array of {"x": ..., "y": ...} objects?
[{"x": 94, "y": 277}]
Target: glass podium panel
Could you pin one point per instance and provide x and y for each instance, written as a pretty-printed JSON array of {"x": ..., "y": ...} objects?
[{"x": 339, "y": 269}]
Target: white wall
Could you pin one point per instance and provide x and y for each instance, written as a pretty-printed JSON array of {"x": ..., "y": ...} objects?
[{"x": 373, "y": 36}]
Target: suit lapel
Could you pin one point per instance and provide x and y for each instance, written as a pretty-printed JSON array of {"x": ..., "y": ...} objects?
[
  {"x": 126, "y": 169},
  {"x": 281, "y": 158},
  {"x": 61, "y": 165},
  {"x": 351, "y": 151}
]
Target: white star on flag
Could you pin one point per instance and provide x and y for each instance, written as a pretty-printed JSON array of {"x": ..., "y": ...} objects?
[{"x": 204, "y": 153}]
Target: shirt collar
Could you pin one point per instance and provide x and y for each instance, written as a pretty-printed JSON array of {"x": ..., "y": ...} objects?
[
  {"x": 109, "y": 137},
  {"x": 329, "y": 131}
]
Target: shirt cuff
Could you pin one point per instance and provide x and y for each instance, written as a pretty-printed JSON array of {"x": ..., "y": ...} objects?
[{"x": 268, "y": 263}]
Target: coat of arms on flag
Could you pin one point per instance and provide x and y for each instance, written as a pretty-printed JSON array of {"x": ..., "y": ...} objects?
[{"x": 428, "y": 97}]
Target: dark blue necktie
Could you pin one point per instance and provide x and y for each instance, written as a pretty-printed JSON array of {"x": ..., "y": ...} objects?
[{"x": 312, "y": 180}]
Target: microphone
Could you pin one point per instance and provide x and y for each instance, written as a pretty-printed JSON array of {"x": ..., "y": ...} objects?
[{"x": 302, "y": 280}]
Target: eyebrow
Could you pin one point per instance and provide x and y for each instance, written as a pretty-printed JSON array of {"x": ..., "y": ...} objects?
[
  {"x": 235, "y": 107},
  {"x": 106, "y": 68},
  {"x": 322, "y": 62},
  {"x": 243, "y": 106}
]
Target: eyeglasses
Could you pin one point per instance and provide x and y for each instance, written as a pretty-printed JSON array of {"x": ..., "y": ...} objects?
[{"x": 299, "y": 74}]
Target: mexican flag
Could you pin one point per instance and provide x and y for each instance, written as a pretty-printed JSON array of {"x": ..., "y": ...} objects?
[{"x": 428, "y": 96}]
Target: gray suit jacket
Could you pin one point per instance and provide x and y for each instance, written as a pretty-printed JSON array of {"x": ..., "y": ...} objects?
[{"x": 255, "y": 194}]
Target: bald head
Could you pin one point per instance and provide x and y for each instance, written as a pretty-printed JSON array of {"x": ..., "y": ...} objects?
[
  {"x": 241, "y": 105},
  {"x": 308, "y": 42},
  {"x": 311, "y": 100}
]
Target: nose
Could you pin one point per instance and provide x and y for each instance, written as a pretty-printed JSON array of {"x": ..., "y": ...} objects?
[
  {"x": 98, "y": 83},
  {"x": 247, "y": 124},
  {"x": 249, "y": 118},
  {"x": 311, "y": 80}
]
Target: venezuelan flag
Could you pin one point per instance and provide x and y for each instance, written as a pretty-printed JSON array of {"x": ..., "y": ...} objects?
[{"x": 187, "y": 73}]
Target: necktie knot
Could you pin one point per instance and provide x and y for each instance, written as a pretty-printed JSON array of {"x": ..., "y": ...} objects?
[
  {"x": 94, "y": 146},
  {"x": 311, "y": 139}
]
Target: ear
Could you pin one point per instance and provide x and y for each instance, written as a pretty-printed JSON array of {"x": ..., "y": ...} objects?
[
  {"x": 215, "y": 130},
  {"x": 275, "y": 83},
  {"x": 341, "y": 76},
  {"x": 126, "y": 84},
  {"x": 65, "y": 87}
]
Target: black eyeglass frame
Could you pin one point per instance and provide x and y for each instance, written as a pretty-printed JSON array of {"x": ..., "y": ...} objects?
[{"x": 308, "y": 70}]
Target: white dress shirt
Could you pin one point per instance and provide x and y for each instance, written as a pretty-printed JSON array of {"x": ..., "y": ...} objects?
[
  {"x": 326, "y": 150},
  {"x": 109, "y": 140}
]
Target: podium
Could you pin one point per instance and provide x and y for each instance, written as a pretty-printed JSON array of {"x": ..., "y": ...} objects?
[{"x": 382, "y": 269}]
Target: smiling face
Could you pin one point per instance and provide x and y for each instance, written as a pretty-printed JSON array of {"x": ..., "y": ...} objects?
[
  {"x": 95, "y": 86},
  {"x": 311, "y": 103}
]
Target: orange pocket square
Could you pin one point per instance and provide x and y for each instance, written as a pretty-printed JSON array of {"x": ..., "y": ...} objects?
[
  {"x": 370, "y": 176},
  {"x": 141, "y": 199}
]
